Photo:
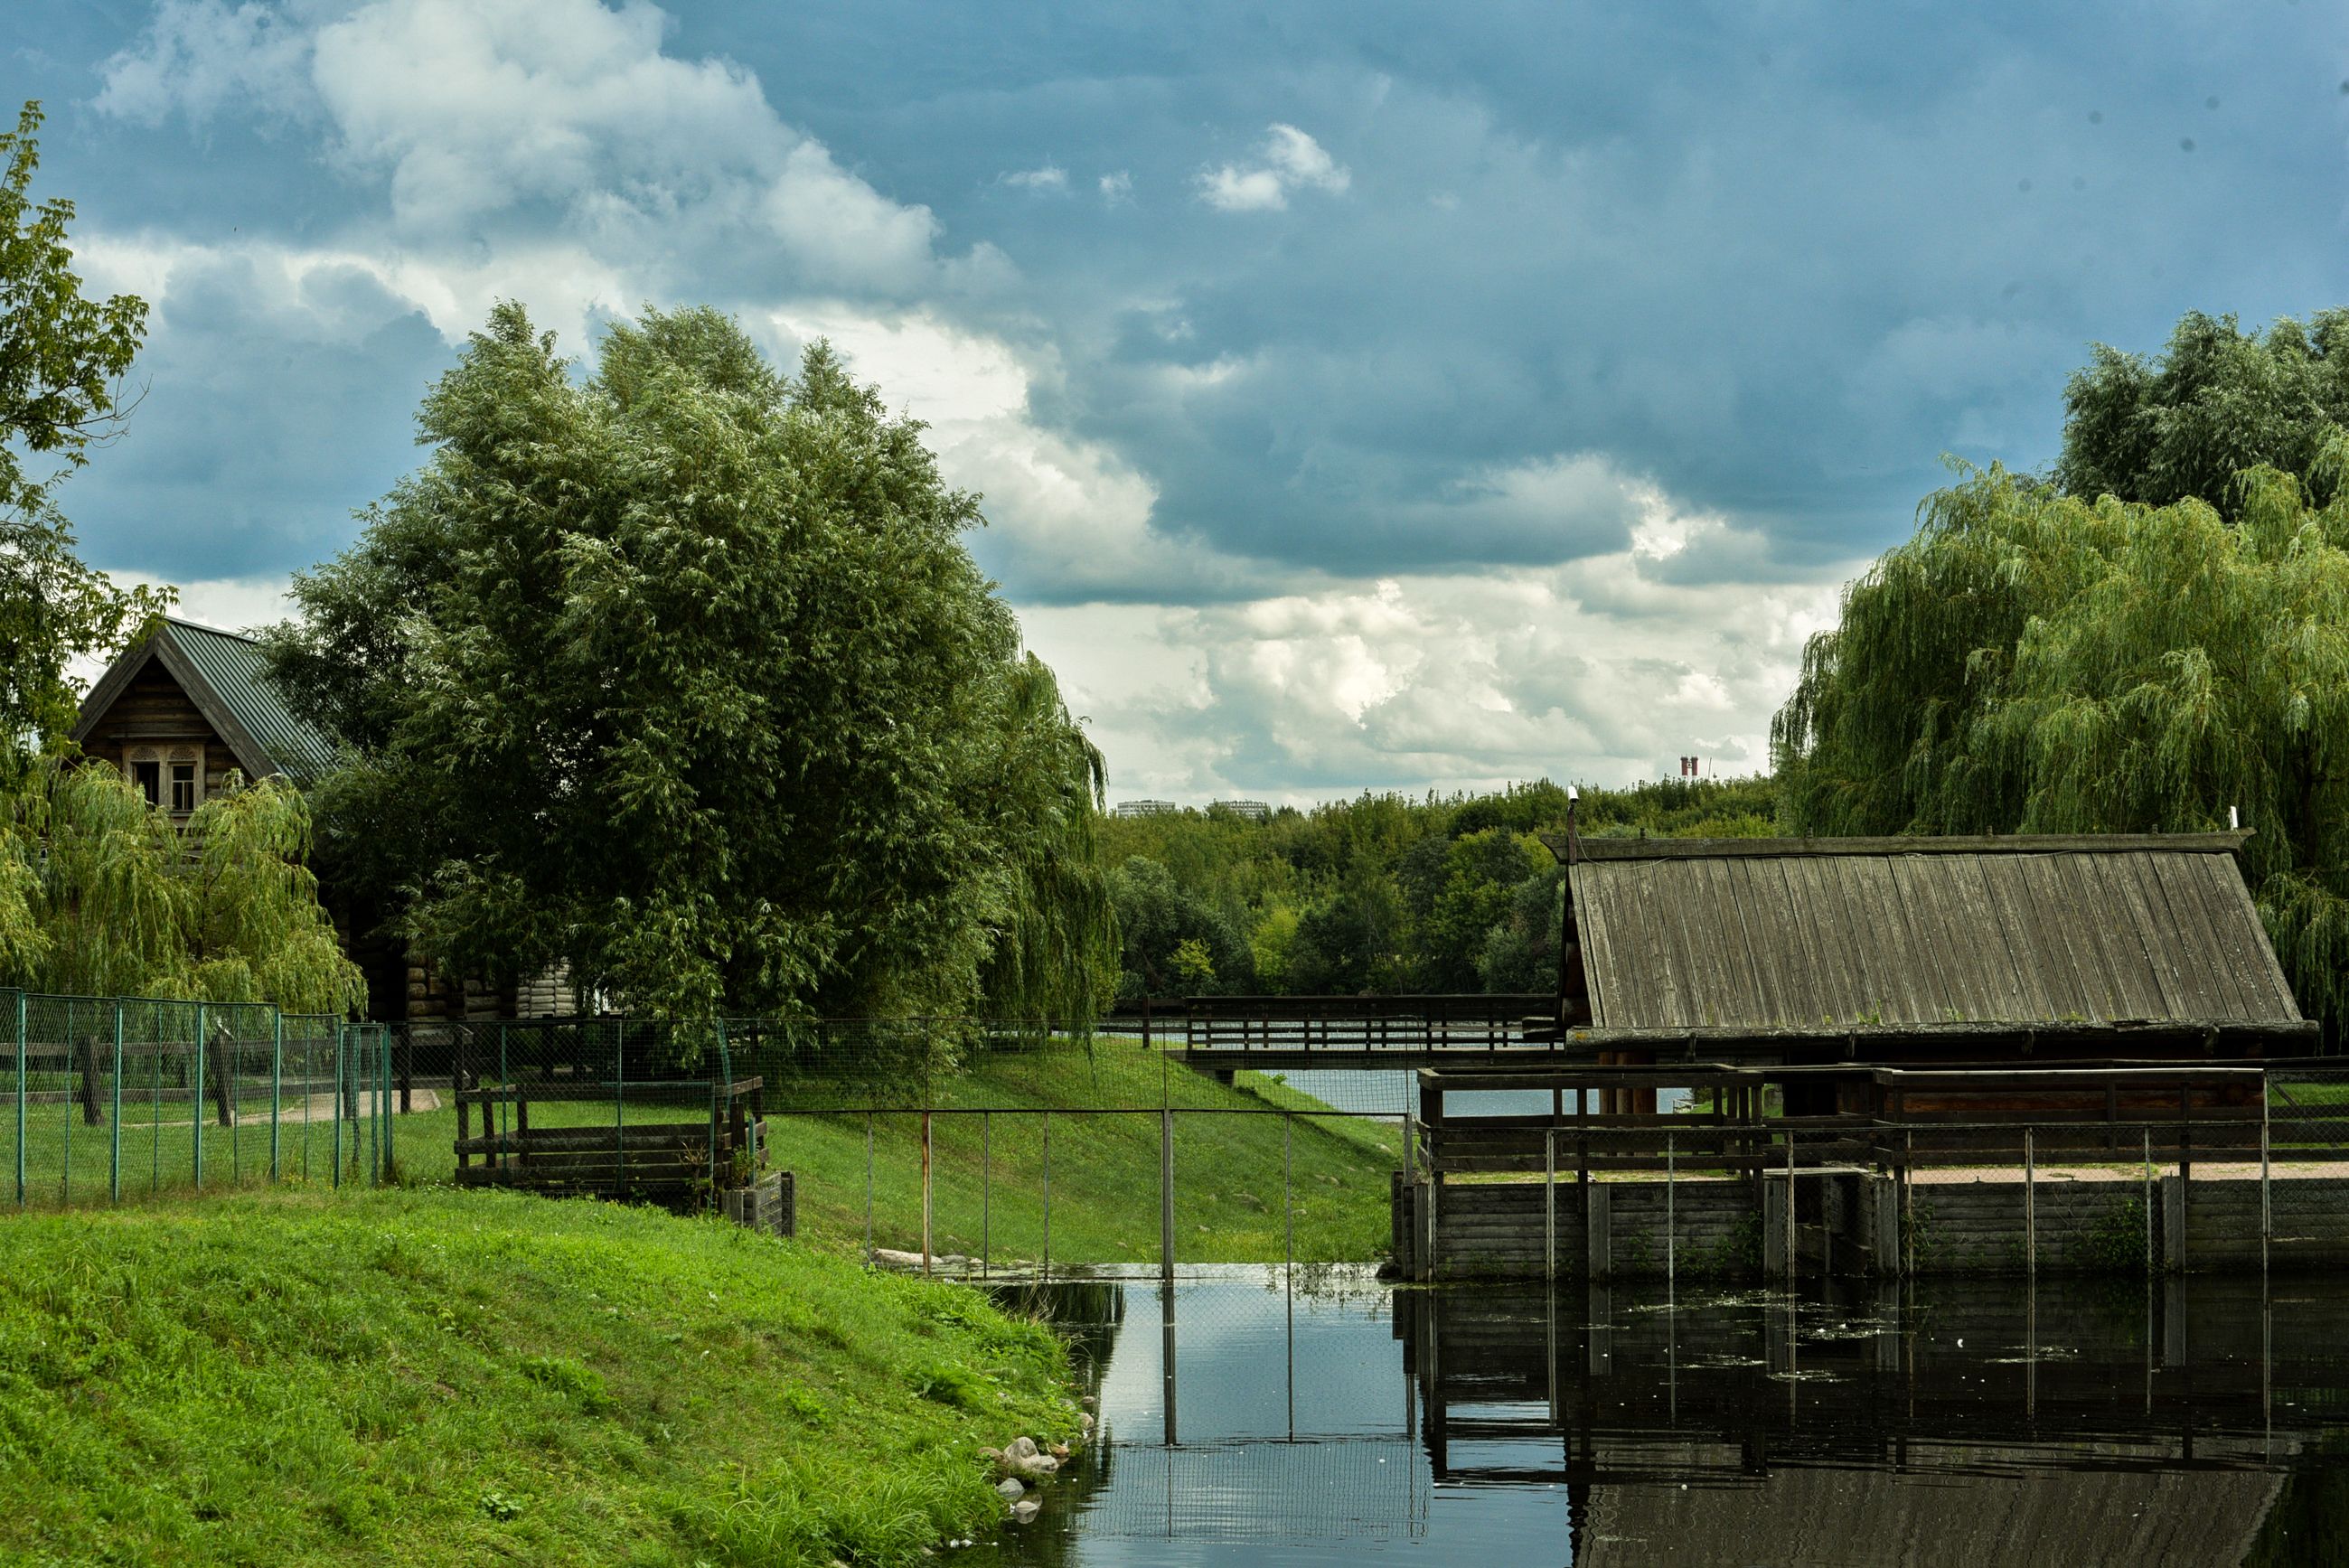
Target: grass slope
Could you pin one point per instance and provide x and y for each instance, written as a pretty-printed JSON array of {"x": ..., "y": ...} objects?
[
  {"x": 435, "y": 1376},
  {"x": 1228, "y": 1160},
  {"x": 1105, "y": 1172}
]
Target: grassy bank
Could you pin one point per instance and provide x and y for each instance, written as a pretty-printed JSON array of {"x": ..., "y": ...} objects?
[
  {"x": 987, "y": 1180},
  {"x": 435, "y": 1377},
  {"x": 988, "y": 1176}
]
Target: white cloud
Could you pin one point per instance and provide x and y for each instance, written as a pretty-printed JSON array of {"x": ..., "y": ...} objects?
[
  {"x": 200, "y": 57},
  {"x": 1288, "y": 160},
  {"x": 499, "y": 122},
  {"x": 1049, "y": 181},
  {"x": 1597, "y": 670},
  {"x": 1065, "y": 516},
  {"x": 231, "y": 604},
  {"x": 1117, "y": 187}
]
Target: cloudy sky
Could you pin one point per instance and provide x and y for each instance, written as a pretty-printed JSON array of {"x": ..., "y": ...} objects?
[{"x": 1363, "y": 396}]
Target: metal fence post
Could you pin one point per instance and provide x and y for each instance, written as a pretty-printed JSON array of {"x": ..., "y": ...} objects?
[
  {"x": 2030, "y": 1207},
  {"x": 1669, "y": 1177},
  {"x": 1549, "y": 1204},
  {"x": 868, "y": 1188},
  {"x": 20, "y": 1099},
  {"x": 2148, "y": 1204},
  {"x": 1044, "y": 1269},
  {"x": 2266, "y": 1227},
  {"x": 1289, "y": 1222},
  {"x": 197, "y": 1098},
  {"x": 276, "y": 1086},
  {"x": 341, "y": 1028},
  {"x": 114, "y": 1161},
  {"x": 1908, "y": 1203},
  {"x": 1166, "y": 1195},
  {"x": 925, "y": 1189},
  {"x": 383, "y": 1100},
  {"x": 986, "y": 1189}
]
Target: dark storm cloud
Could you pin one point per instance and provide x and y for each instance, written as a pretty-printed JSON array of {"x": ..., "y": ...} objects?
[{"x": 1762, "y": 263}]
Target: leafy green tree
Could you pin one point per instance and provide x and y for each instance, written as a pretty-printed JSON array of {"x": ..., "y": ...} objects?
[
  {"x": 1166, "y": 929},
  {"x": 2216, "y": 403},
  {"x": 102, "y": 894},
  {"x": 62, "y": 360},
  {"x": 1521, "y": 949},
  {"x": 680, "y": 673},
  {"x": 2033, "y": 662}
]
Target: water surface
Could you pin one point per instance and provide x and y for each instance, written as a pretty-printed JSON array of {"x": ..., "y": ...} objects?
[{"x": 1329, "y": 1417}]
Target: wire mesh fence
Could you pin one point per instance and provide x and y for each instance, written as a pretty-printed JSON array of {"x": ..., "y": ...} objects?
[{"x": 102, "y": 1097}]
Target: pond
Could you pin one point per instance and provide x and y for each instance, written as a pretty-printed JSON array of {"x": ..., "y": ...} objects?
[{"x": 1250, "y": 1417}]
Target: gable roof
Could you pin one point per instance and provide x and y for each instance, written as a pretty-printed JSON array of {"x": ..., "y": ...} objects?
[
  {"x": 226, "y": 677},
  {"x": 1895, "y": 934}
]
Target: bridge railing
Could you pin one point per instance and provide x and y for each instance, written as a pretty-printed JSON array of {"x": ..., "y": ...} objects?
[{"x": 1300, "y": 1026}]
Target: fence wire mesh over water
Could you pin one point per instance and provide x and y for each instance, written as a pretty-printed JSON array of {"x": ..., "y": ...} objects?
[{"x": 103, "y": 1098}]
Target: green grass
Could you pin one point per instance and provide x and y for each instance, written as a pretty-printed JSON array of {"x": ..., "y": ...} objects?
[
  {"x": 1105, "y": 1168},
  {"x": 988, "y": 1177},
  {"x": 405, "y": 1376}
]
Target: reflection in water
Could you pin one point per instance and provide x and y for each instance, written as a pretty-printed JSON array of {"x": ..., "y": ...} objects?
[{"x": 1333, "y": 1418}]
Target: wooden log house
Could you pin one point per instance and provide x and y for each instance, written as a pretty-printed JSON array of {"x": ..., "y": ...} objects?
[{"x": 184, "y": 710}]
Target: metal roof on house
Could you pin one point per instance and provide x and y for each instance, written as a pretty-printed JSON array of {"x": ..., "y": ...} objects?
[
  {"x": 225, "y": 675},
  {"x": 1867, "y": 934}
]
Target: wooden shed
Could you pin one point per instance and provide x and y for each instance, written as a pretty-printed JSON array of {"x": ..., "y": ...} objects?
[{"x": 2007, "y": 950}]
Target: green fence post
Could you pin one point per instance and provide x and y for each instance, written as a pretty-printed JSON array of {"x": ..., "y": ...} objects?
[
  {"x": 339, "y": 1103},
  {"x": 114, "y": 1164},
  {"x": 383, "y": 1095},
  {"x": 619, "y": 1111},
  {"x": 20, "y": 1099},
  {"x": 196, "y": 1095},
  {"x": 276, "y": 1086},
  {"x": 65, "y": 1170},
  {"x": 720, "y": 1101}
]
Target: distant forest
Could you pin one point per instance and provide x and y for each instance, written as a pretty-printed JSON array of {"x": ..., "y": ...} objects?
[{"x": 1381, "y": 894}]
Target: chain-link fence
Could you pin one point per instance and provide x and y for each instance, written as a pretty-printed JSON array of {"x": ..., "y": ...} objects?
[{"x": 106, "y": 1096}]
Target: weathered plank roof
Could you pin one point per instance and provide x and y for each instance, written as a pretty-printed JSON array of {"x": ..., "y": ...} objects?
[
  {"x": 225, "y": 676},
  {"x": 1899, "y": 933}
]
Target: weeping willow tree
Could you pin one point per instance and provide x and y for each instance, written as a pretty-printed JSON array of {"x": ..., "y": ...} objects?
[
  {"x": 1051, "y": 933},
  {"x": 2037, "y": 662},
  {"x": 102, "y": 894}
]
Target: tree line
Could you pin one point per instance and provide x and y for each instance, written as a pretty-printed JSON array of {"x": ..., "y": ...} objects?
[{"x": 1381, "y": 892}]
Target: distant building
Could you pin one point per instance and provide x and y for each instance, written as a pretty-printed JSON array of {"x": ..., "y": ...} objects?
[
  {"x": 1254, "y": 811},
  {"x": 186, "y": 707},
  {"x": 1144, "y": 808}
]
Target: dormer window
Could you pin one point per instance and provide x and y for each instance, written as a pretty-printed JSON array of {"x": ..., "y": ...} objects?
[
  {"x": 147, "y": 776},
  {"x": 184, "y": 784}
]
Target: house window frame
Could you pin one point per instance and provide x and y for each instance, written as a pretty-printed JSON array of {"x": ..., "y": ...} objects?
[
  {"x": 191, "y": 758},
  {"x": 139, "y": 757}
]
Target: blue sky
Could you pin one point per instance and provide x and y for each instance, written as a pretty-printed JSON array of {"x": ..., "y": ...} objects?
[{"x": 1363, "y": 396}]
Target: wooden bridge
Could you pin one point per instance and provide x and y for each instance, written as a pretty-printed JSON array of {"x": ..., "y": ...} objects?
[{"x": 1285, "y": 1033}]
